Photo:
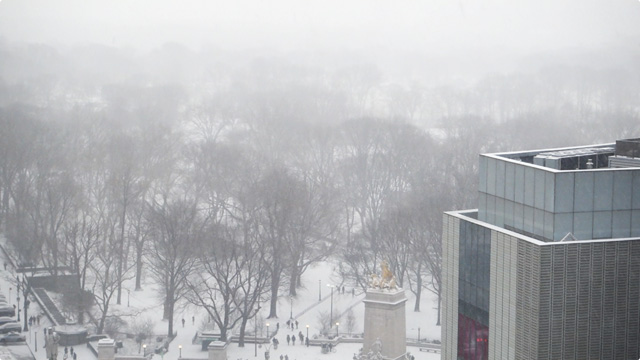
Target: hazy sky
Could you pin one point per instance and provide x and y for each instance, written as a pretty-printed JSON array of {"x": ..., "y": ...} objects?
[{"x": 526, "y": 25}]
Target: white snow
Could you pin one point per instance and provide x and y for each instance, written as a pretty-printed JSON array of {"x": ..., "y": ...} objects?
[{"x": 145, "y": 304}]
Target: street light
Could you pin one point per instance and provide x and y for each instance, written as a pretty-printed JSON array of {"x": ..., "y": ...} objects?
[
  {"x": 267, "y": 330},
  {"x": 144, "y": 349},
  {"x": 180, "y": 347},
  {"x": 307, "y": 335},
  {"x": 418, "y": 333},
  {"x": 337, "y": 328},
  {"x": 331, "y": 313},
  {"x": 319, "y": 290},
  {"x": 128, "y": 297}
]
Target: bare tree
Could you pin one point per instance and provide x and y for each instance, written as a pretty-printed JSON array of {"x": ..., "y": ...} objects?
[{"x": 178, "y": 228}]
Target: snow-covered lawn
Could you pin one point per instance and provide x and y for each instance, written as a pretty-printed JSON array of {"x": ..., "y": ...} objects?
[{"x": 144, "y": 305}]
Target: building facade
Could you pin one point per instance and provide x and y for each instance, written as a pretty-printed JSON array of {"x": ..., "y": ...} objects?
[{"x": 548, "y": 266}]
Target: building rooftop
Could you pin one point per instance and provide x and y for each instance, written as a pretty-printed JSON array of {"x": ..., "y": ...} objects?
[{"x": 624, "y": 153}]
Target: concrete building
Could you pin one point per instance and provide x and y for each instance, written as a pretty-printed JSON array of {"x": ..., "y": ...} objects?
[{"x": 548, "y": 266}]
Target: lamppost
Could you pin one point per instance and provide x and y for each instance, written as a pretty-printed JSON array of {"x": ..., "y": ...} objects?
[
  {"x": 331, "y": 313},
  {"x": 319, "y": 290},
  {"x": 418, "y": 334},
  {"x": 337, "y": 329},
  {"x": 267, "y": 330},
  {"x": 291, "y": 301},
  {"x": 128, "y": 297},
  {"x": 180, "y": 348},
  {"x": 307, "y": 335},
  {"x": 144, "y": 350},
  {"x": 255, "y": 337}
]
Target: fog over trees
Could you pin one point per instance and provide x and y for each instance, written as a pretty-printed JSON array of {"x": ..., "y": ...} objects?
[{"x": 220, "y": 149}]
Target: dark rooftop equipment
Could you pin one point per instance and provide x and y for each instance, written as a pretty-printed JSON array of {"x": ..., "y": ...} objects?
[
  {"x": 627, "y": 154},
  {"x": 628, "y": 147},
  {"x": 574, "y": 159}
]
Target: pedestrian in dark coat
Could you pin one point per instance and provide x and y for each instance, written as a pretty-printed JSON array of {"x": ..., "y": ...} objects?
[
  {"x": 288, "y": 339},
  {"x": 293, "y": 340}
]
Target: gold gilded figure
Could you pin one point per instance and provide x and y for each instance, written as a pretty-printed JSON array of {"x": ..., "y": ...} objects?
[{"x": 386, "y": 280}]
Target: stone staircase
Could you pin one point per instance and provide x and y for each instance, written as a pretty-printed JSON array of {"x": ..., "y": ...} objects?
[{"x": 49, "y": 307}]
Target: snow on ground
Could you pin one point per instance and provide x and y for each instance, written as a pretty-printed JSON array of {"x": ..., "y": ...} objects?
[{"x": 140, "y": 305}]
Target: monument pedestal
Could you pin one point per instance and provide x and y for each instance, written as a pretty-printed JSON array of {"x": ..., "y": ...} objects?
[
  {"x": 385, "y": 322},
  {"x": 106, "y": 349},
  {"x": 217, "y": 350}
]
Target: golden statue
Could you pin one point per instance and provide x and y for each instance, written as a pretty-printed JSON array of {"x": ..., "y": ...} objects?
[
  {"x": 387, "y": 276},
  {"x": 386, "y": 281}
]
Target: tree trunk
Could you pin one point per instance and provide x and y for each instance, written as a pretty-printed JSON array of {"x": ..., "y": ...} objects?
[
  {"x": 170, "y": 318},
  {"x": 165, "y": 309},
  {"x": 293, "y": 282},
  {"x": 275, "y": 282},
  {"x": 416, "y": 307},
  {"x": 439, "y": 303},
  {"x": 138, "y": 267},
  {"x": 243, "y": 327},
  {"x": 100, "y": 329},
  {"x": 121, "y": 254}
]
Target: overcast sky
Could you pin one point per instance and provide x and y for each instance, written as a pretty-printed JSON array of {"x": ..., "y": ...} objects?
[{"x": 438, "y": 25}]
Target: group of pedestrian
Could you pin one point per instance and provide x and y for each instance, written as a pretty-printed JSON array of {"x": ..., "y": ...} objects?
[
  {"x": 34, "y": 320},
  {"x": 74, "y": 355},
  {"x": 292, "y": 324},
  {"x": 193, "y": 320},
  {"x": 285, "y": 357}
]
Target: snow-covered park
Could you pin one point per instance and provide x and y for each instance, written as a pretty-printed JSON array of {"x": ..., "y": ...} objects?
[{"x": 318, "y": 297}]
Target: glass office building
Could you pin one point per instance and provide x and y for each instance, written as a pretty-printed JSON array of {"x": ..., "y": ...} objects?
[{"x": 548, "y": 266}]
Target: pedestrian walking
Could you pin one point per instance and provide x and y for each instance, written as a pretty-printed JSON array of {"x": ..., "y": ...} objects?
[
  {"x": 286, "y": 357},
  {"x": 75, "y": 356},
  {"x": 193, "y": 320},
  {"x": 296, "y": 324},
  {"x": 281, "y": 356},
  {"x": 277, "y": 326},
  {"x": 301, "y": 338},
  {"x": 183, "y": 322},
  {"x": 293, "y": 340},
  {"x": 288, "y": 339}
]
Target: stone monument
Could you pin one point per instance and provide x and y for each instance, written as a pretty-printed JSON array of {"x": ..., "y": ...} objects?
[
  {"x": 385, "y": 330},
  {"x": 106, "y": 349},
  {"x": 217, "y": 350}
]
